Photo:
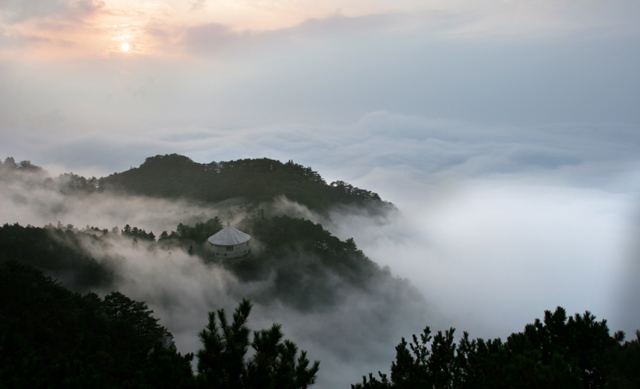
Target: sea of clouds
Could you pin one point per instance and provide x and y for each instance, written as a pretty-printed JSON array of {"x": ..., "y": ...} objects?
[{"x": 493, "y": 226}]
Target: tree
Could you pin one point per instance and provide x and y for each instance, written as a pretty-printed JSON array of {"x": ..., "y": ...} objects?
[
  {"x": 137, "y": 315},
  {"x": 52, "y": 337},
  {"x": 625, "y": 363},
  {"x": 420, "y": 365},
  {"x": 557, "y": 352},
  {"x": 223, "y": 362},
  {"x": 10, "y": 163}
]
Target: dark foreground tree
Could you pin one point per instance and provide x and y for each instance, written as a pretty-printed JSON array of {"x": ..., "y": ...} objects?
[
  {"x": 557, "y": 352},
  {"x": 51, "y": 337},
  {"x": 223, "y": 362},
  {"x": 624, "y": 364}
]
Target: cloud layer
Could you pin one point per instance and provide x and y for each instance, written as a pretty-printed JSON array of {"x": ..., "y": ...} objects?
[
  {"x": 352, "y": 332},
  {"x": 521, "y": 206},
  {"x": 506, "y": 132}
]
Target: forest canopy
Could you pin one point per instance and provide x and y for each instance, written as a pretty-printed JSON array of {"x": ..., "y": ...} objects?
[
  {"x": 174, "y": 176},
  {"x": 49, "y": 334},
  {"x": 255, "y": 180},
  {"x": 52, "y": 336},
  {"x": 556, "y": 352}
]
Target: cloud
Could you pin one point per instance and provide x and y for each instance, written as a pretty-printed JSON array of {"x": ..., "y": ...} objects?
[
  {"x": 332, "y": 70},
  {"x": 164, "y": 30},
  {"x": 352, "y": 333},
  {"x": 76, "y": 11},
  {"x": 209, "y": 37},
  {"x": 431, "y": 150},
  {"x": 216, "y": 38},
  {"x": 491, "y": 200},
  {"x": 33, "y": 199},
  {"x": 438, "y": 22},
  {"x": 350, "y": 338},
  {"x": 491, "y": 254},
  {"x": 627, "y": 292},
  {"x": 198, "y": 5},
  {"x": 494, "y": 225}
]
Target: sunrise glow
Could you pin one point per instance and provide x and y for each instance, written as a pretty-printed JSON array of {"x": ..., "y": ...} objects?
[{"x": 125, "y": 46}]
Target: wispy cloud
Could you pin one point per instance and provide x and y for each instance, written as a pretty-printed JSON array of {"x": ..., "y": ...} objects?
[
  {"x": 68, "y": 10},
  {"x": 351, "y": 334},
  {"x": 98, "y": 27},
  {"x": 198, "y": 5}
]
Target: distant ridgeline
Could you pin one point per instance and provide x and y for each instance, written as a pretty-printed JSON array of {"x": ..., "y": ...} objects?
[
  {"x": 256, "y": 180},
  {"x": 176, "y": 176}
]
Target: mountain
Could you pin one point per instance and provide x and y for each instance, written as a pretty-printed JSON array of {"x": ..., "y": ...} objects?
[
  {"x": 254, "y": 180},
  {"x": 298, "y": 273},
  {"x": 302, "y": 258}
]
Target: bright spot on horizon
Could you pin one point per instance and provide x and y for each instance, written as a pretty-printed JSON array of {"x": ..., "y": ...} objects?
[{"x": 125, "y": 46}]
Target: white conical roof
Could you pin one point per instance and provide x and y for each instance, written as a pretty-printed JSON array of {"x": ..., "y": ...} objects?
[{"x": 228, "y": 236}]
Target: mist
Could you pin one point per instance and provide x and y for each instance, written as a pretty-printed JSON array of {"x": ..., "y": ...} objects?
[
  {"x": 349, "y": 338},
  {"x": 494, "y": 254},
  {"x": 351, "y": 333},
  {"x": 493, "y": 224},
  {"x": 32, "y": 199}
]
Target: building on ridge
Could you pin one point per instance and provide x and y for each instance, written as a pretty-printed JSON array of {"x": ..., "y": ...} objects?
[{"x": 230, "y": 243}]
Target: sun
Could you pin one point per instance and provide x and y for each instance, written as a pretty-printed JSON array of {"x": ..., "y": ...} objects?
[{"x": 125, "y": 46}]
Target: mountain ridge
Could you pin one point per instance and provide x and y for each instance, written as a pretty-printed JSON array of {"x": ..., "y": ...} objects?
[{"x": 258, "y": 180}]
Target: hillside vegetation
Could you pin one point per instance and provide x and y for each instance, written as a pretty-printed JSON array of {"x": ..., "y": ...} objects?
[
  {"x": 255, "y": 180},
  {"x": 52, "y": 337},
  {"x": 310, "y": 268}
]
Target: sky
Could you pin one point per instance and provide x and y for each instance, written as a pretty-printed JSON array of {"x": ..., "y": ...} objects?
[{"x": 506, "y": 132}]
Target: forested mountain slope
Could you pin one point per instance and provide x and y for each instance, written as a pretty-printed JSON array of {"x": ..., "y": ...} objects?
[
  {"x": 309, "y": 268},
  {"x": 255, "y": 180}
]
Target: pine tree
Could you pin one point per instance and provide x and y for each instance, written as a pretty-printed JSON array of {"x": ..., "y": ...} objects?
[{"x": 223, "y": 362}]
